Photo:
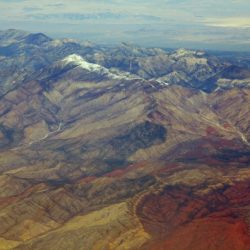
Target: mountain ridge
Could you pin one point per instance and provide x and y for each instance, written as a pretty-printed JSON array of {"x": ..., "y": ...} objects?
[{"x": 122, "y": 148}]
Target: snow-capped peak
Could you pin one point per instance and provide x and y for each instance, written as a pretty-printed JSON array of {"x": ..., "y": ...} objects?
[
  {"x": 187, "y": 52},
  {"x": 79, "y": 61}
]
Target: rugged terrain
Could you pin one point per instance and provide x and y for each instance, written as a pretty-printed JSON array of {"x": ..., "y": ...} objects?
[{"x": 122, "y": 147}]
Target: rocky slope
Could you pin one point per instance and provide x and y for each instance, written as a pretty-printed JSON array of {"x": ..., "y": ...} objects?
[{"x": 121, "y": 148}]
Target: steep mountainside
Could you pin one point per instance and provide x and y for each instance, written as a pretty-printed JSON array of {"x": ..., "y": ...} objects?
[{"x": 121, "y": 147}]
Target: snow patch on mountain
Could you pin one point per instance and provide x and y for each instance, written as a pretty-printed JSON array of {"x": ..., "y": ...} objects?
[
  {"x": 79, "y": 61},
  {"x": 186, "y": 53}
]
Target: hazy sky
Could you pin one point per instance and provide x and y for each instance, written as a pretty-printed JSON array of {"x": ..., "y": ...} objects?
[{"x": 208, "y": 24}]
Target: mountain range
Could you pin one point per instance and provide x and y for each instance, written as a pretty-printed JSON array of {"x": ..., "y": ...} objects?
[{"x": 122, "y": 147}]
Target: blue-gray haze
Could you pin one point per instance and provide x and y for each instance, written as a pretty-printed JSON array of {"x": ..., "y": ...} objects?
[{"x": 205, "y": 24}]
